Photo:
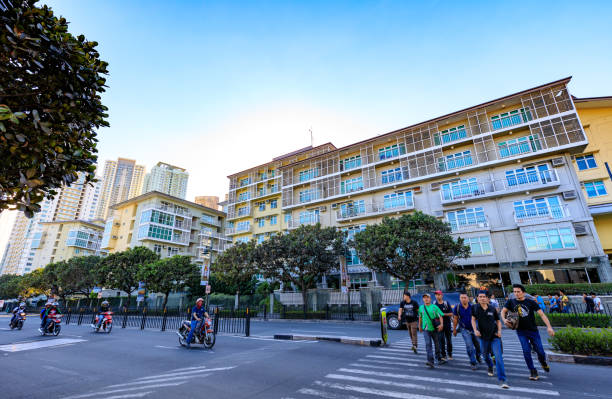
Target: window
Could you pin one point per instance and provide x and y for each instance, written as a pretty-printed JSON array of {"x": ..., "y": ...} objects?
[
  {"x": 273, "y": 220},
  {"x": 586, "y": 162},
  {"x": 243, "y": 226},
  {"x": 309, "y": 195},
  {"x": 479, "y": 245},
  {"x": 260, "y": 238},
  {"x": 351, "y": 253},
  {"x": 157, "y": 249},
  {"x": 309, "y": 217},
  {"x": 287, "y": 217},
  {"x": 520, "y": 145},
  {"x": 242, "y": 239},
  {"x": 245, "y": 181},
  {"x": 273, "y": 188},
  {"x": 391, "y": 175},
  {"x": 351, "y": 209},
  {"x": 595, "y": 188},
  {"x": 454, "y": 161},
  {"x": 533, "y": 174},
  {"x": 155, "y": 216},
  {"x": 309, "y": 174},
  {"x": 547, "y": 207},
  {"x": 398, "y": 200},
  {"x": 153, "y": 231},
  {"x": 245, "y": 210},
  {"x": 172, "y": 251},
  {"x": 262, "y": 206},
  {"x": 391, "y": 151},
  {"x": 466, "y": 217},
  {"x": 461, "y": 189},
  {"x": 511, "y": 118},
  {"x": 244, "y": 196},
  {"x": 350, "y": 185},
  {"x": 273, "y": 204},
  {"x": 209, "y": 219},
  {"x": 350, "y": 163},
  {"x": 261, "y": 222},
  {"x": 545, "y": 240},
  {"x": 448, "y": 135}
]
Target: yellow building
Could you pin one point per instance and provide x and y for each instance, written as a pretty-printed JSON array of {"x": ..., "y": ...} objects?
[
  {"x": 167, "y": 225},
  {"x": 593, "y": 166},
  {"x": 63, "y": 240}
]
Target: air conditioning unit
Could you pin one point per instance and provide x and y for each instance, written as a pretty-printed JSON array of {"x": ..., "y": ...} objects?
[
  {"x": 323, "y": 209},
  {"x": 558, "y": 161},
  {"x": 435, "y": 186},
  {"x": 580, "y": 229},
  {"x": 568, "y": 195},
  {"x": 438, "y": 214},
  {"x": 416, "y": 189},
  {"x": 115, "y": 237},
  {"x": 334, "y": 206}
]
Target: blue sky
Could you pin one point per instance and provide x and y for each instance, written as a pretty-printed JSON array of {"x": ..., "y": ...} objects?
[{"x": 217, "y": 87}]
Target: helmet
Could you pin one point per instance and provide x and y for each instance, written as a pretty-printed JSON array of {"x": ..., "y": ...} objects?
[
  {"x": 22, "y": 305},
  {"x": 54, "y": 304},
  {"x": 199, "y": 300},
  {"x": 105, "y": 303},
  {"x": 49, "y": 303}
]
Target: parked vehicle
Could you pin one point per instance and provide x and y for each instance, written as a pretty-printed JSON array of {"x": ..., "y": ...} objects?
[
  {"x": 107, "y": 323},
  {"x": 55, "y": 326},
  {"x": 392, "y": 310},
  {"x": 18, "y": 321},
  {"x": 205, "y": 335}
]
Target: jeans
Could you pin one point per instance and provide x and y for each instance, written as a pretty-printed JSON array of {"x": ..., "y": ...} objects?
[
  {"x": 45, "y": 324},
  {"x": 100, "y": 320},
  {"x": 430, "y": 336},
  {"x": 194, "y": 326},
  {"x": 445, "y": 338},
  {"x": 494, "y": 344},
  {"x": 469, "y": 345},
  {"x": 528, "y": 340},
  {"x": 413, "y": 329}
]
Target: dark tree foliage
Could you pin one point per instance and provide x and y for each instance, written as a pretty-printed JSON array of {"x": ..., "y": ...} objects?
[
  {"x": 236, "y": 266},
  {"x": 169, "y": 274},
  {"x": 50, "y": 105}
]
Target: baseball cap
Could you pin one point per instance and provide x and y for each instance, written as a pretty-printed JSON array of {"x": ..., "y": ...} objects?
[{"x": 438, "y": 292}]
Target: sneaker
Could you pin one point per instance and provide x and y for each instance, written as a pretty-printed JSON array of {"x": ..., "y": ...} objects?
[
  {"x": 430, "y": 365},
  {"x": 490, "y": 372},
  {"x": 546, "y": 367},
  {"x": 450, "y": 357},
  {"x": 534, "y": 375},
  {"x": 474, "y": 367},
  {"x": 479, "y": 359},
  {"x": 504, "y": 385},
  {"x": 442, "y": 361},
  {"x": 40, "y": 330},
  {"x": 414, "y": 349}
]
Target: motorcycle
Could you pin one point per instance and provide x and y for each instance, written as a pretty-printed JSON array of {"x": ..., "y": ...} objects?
[
  {"x": 18, "y": 321},
  {"x": 107, "y": 323},
  {"x": 55, "y": 326},
  {"x": 205, "y": 335}
]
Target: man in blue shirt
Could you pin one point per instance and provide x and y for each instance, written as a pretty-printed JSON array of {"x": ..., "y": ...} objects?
[
  {"x": 462, "y": 318},
  {"x": 198, "y": 312}
]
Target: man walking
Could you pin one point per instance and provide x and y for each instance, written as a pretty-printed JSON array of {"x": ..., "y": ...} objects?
[
  {"x": 409, "y": 313},
  {"x": 564, "y": 302},
  {"x": 597, "y": 303},
  {"x": 446, "y": 343},
  {"x": 590, "y": 304},
  {"x": 527, "y": 331},
  {"x": 462, "y": 323},
  {"x": 430, "y": 324},
  {"x": 487, "y": 326}
]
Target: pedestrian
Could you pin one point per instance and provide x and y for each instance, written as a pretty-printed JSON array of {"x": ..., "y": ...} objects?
[
  {"x": 527, "y": 330},
  {"x": 487, "y": 326},
  {"x": 555, "y": 304},
  {"x": 446, "y": 343},
  {"x": 430, "y": 324},
  {"x": 540, "y": 302},
  {"x": 493, "y": 302},
  {"x": 409, "y": 314},
  {"x": 590, "y": 304},
  {"x": 597, "y": 303},
  {"x": 462, "y": 323},
  {"x": 564, "y": 302}
]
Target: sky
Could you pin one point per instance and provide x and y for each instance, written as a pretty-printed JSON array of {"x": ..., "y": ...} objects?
[{"x": 218, "y": 87}]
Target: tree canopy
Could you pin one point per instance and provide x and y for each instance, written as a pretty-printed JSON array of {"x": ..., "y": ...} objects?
[
  {"x": 408, "y": 246},
  {"x": 50, "y": 105},
  {"x": 236, "y": 267},
  {"x": 169, "y": 274}
]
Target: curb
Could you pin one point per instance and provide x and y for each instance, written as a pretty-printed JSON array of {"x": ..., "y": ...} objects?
[
  {"x": 351, "y": 322},
  {"x": 342, "y": 340},
  {"x": 579, "y": 359}
]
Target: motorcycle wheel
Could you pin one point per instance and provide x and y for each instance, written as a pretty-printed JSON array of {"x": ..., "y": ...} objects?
[
  {"x": 109, "y": 327},
  {"x": 56, "y": 330},
  {"x": 20, "y": 325},
  {"x": 182, "y": 337},
  {"x": 11, "y": 325},
  {"x": 209, "y": 341}
]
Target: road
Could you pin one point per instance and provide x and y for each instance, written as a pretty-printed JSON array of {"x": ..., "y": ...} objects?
[{"x": 131, "y": 363}]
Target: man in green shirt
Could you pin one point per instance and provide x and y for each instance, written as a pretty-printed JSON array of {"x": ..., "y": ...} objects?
[{"x": 431, "y": 325}]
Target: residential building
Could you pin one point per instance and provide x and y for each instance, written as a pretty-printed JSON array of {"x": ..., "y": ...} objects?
[
  {"x": 254, "y": 200},
  {"x": 167, "y": 225},
  {"x": 168, "y": 179},
  {"x": 500, "y": 173},
  {"x": 209, "y": 201},
  {"x": 121, "y": 180},
  {"x": 592, "y": 165},
  {"x": 91, "y": 198}
]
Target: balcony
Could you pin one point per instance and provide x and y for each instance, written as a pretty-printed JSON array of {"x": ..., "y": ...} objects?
[
  {"x": 373, "y": 209},
  {"x": 470, "y": 224},
  {"x": 182, "y": 224},
  {"x": 238, "y": 230},
  {"x": 210, "y": 220},
  {"x": 541, "y": 215},
  {"x": 446, "y": 163},
  {"x": 295, "y": 223},
  {"x": 267, "y": 191},
  {"x": 213, "y": 234},
  {"x": 469, "y": 191}
]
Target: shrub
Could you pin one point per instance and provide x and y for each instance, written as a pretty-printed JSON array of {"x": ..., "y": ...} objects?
[
  {"x": 583, "y": 342},
  {"x": 569, "y": 289},
  {"x": 576, "y": 320}
]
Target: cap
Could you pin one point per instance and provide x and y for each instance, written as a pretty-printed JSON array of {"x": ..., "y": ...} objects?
[{"x": 438, "y": 292}]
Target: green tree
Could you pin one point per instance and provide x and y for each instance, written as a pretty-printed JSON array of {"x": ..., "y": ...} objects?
[
  {"x": 302, "y": 256},
  {"x": 120, "y": 270},
  {"x": 169, "y": 274},
  {"x": 9, "y": 286},
  {"x": 73, "y": 276},
  {"x": 34, "y": 283},
  {"x": 236, "y": 267},
  {"x": 50, "y": 105},
  {"x": 409, "y": 246}
]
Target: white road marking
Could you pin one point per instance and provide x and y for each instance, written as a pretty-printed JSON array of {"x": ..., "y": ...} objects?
[
  {"x": 389, "y": 362},
  {"x": 166, "y": 347},
  {"x": 88, "y": 395},
  {"x": 372, "y": 391},
  {"x": 59, "y": 370},
  {"x": 323, "y": 394},
  {"x": 18, "y": 347},
  {"x": 374, "y": 367},
  {"x": 129, "y": 395},
  {"x": 160, "y": 380},
  {"x": 186, "y": 372}
]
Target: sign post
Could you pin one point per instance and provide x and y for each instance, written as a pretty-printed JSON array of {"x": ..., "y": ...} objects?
[
  {"x": 383, "y": 326},
  {"x": 142, "y": 289}
]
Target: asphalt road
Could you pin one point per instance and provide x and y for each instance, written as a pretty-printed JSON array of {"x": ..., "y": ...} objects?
[{"x": 131, "y": 363}]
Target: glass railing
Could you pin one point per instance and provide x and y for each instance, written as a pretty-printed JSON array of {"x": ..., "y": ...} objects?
[{"x": 540, "y": 213}]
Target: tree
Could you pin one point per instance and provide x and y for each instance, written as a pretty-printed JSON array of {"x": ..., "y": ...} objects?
[
  {"x": 50, "y": 105},
  {"x": 34, "y": 283},
  {"x": 9, "y": 286},
  {"x": 408, "y": 246},
  {"x": 302, "y": 256},
  {"x": 169, "y": 274},
  {"x": 120, "y": 270},
  {"x": 72, "y": 276},
  {"x": 236, "y": 266}
]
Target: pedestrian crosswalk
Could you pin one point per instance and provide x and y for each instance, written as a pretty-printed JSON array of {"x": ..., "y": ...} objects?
[{"x": 396, "y": 372}]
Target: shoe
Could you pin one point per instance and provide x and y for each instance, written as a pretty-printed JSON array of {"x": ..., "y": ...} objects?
[
  {"x": 40, "y": 330},
  {"x": 490, "y": 372},
  {"x": 442, "y": 361},
  {"x": 546, "y": 367},
  {"x": 450, "y": 357},
  {"x": 504, "y": 385},
  {"x": 474, "y": 367},
  {"x": 479, "y": 359},
  {"x": 534, "y": 375},
  {"x": 414, "y": 349},
  {"x": 430, "y": 365}
]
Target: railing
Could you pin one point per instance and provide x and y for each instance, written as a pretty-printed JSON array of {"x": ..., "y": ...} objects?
[
  {"x": 341, "y": 298},
  {"x": 246, "y": 211},
  {"x": 170, "y": 209},
  {"x": 467, "y": 225},
  {"x": 518, "y": 148},
  {"x": 213, "y": 234},
  {"x": 264, "y": 192},
  {"x": 183, "y": 224},
  {"x": 295, "y": 223},
  {"x": 210, "y": 220},
  {"x": 541, "y": 214},
  {"x": 374, "y": 209},
  {"x": 455, "y": 163}
]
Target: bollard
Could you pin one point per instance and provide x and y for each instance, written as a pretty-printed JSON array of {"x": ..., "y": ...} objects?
[
  {"x": 144, "y": 318},
  {"x": 164, "y": 320},
  {"x": 124, "y": 322},
  {"x": 216, "y": 328},
  {"x": 247, "y": 327}
]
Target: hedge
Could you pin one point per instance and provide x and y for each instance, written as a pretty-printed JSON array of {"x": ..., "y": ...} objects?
[
  {"x": 569, "y": 289},
  {"x": 575, "y": 320},
  {"x": 583, "y": 342}
]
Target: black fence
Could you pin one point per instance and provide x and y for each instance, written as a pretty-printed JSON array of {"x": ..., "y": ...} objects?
[{"x": 329, "y": 312}]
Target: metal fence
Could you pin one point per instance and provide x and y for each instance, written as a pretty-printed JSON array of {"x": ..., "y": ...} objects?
[{"x": 329, "y": 312}]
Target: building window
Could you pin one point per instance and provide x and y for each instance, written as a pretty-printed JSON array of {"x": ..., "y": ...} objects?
[
  {"x": 466, "y": 188},
  {"x": 157, "y": 249},
  {"x": 350, "y": 185},
  {"x": 545, "y": 240},
  {"x": 261, "y": 222},
  {"x": 351, "y": 209},
  {"x": 260, "y": 238},
  {"x": 309, "y": 174},
  {"x": 245, "y": 210},
  {"x": 262, "y": 206},
  {"x": 351, "y": 253},
  {"x": 449, "y": 135},
  {"x": 391, "y": 175},
  {"x": 391, "y": 151},
  {"x": 243, "y": 226},
  {"x": 155, "y": 216},
  {"x": 533, "y": 174},
  {"x": 309, "y": 217},
  {"x": 595, "y": 188},
  {"x": 287, "y": 218},
  {"x": 244, "y": 196},
  {"x": 586, "y": 162},
  {"x": 273, "y": 220},
  {"x": 152, "y": 231},
  {"x": 398, "y": 200},
  {"x": 172, "y": 251},
  {"x": 350, "y": 163},
  {"x": 479, "y": 246},
  {"x": 245, "y": 181},
  {"x": 520, "y": 145},
  {"x": 547, "y": 207},
  {"x": 274, "y": 204},
  {"x": 454, "y": 161},
  {"x": 511, "y": 118},
  {"x": 466, "y": 217},
  {"x": 309, "y": 195}
]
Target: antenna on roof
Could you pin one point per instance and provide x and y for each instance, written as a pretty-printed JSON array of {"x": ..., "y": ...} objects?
[{"x": 311, "y": 138}]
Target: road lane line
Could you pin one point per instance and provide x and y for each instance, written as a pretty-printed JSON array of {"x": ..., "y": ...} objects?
[
  {"x": 88, "y": 395},
  {"x": 373, "y": 391},
  {"x": 390, "y": 362},
  {"x": 129, "y": 395},
  {"x": 374, "y": 367},
  {"x": 160, "y": 380},
  {"x": 18, "y": 347},
  {"x": 323, "y": 394},
  {"x": 187, "y": 372}
]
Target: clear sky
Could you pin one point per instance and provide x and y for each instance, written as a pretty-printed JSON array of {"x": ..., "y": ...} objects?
[{"x": 217, "y": 87}]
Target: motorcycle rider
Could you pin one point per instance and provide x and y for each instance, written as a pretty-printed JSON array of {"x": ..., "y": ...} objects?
[
  {"x": 198, "y": 312},
  {"x": 47, "y": 314},
  {"x": 16, "y": 311},
  {"x": 104, "y": 307},
  {"x": 43, "y": 316}
]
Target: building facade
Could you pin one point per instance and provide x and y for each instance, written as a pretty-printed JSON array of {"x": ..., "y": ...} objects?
[
  {"x": 209, "y": 201},
  {"x": 121, "y": 180},
  {"x": 500, "y": 173},
  {"x": 167, "y": 179},
  {"x": 168, "y": 226}
]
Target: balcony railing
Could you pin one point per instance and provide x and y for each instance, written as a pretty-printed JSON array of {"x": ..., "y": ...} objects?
[
  {"x": 469, "y": 224},
  {"x": 295, "y": 223},
  {"x": 541, "y": 214},
  {"x": 455, "y": 163},
  {"x": 374, "y": 208},
  {"x": 267, "y": 191},
  {"x": 170, "y": 209},
  {"x": 213, "y": 234}
]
